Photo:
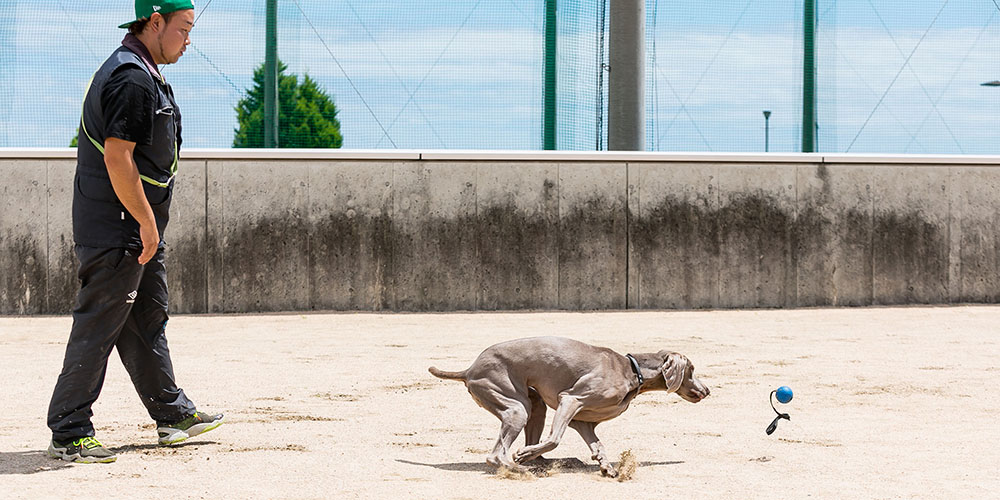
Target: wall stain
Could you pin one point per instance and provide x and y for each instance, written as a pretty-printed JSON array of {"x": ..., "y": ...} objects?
[
  {"x": 351, "y": 262},
  {"x": 63, "y": 281},
  {"x": 517, "y": 257},
  {"x": 22, "y": 275},
  {"x": 835, "y": 256},
  {"x": 592, "y": 254},
  {"x": 910, "y": 259},
  {"x": 753, "y": 250},
  {"x": 436, "y": 264},
  {"x": 677, "y": 246},
  {"x": 186, "y": 270},
  {"x": 770, "y": 256},
  {"x": 265, "y": 267},
  {"x": 979, "y": 262}
]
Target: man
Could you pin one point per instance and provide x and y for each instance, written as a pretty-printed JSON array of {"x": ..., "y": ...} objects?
[{"x": 130, "y": 133}]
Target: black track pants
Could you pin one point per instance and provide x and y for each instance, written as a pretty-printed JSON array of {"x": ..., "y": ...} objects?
[{"x": 124, "y": 305}]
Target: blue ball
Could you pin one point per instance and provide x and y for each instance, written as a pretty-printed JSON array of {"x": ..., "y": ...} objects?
[{"x": 784, "y": 394}]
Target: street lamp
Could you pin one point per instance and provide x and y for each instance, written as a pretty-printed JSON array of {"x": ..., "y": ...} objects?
[{"x": 767, "y": 130}]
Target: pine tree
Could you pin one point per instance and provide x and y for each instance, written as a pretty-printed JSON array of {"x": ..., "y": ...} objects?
[{"x": 307, "y": 116}]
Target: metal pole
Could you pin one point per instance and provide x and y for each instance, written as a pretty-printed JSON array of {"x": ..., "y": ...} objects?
[
  {"x": 627, "y": 79},
  {"x": 549, "y": 107},
  {"x": 271, "y": 77},
  {"x": 767, "y": 130},
  {"x": 809, "y": 78}
]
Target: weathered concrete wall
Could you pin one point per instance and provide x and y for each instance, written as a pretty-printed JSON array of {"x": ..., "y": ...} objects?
[
  {"x": 23, "y": 237},
  {"x": 448, "y": 231},
  {"x": 350, "y": 246},
  {"x": 974, "y": 250},
  {"x": 61, "y": 268}
]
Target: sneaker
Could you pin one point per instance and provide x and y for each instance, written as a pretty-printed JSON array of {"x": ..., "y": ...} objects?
[
  {"x": 86, "y": 450},
  {"x": 189, "y": 427}
]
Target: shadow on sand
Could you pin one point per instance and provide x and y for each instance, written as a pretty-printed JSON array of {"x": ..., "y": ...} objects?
[
  {"x": 28, "y": 462},
  {"x": 35, "y": 461},
  {"x": 540, "y": 467}
]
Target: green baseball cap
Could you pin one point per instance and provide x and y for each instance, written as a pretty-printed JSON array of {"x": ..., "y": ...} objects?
[{"x": 144, "y": 9}]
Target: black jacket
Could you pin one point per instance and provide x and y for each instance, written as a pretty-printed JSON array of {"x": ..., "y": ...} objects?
[{"x": 99, "y": 217}]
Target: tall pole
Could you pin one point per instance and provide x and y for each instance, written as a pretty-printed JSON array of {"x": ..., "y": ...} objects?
[
  {"x": 549, "y": 120},
  {"x": 809, "y": 78},
  {"x": 627, "y": 78},
  {"x": 767, "y": 130},
  {"x": 271, "y": 77}
]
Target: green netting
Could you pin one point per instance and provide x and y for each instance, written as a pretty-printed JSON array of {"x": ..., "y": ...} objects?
[{"x": 893, "y": 76}]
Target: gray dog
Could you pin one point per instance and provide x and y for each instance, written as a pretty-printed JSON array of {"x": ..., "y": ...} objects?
[{"x": 585, "y": 384}]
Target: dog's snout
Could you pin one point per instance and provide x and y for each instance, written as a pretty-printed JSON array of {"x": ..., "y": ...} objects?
[{"x": 701, "y": 391}]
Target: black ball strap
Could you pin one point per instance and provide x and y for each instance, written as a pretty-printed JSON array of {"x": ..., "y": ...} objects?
[{"x": 774, "y": 423}]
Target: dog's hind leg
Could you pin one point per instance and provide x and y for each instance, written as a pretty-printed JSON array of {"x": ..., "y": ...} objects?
[
  {"x": 536, "y": 419},
  {"x": 511, "y": 424},
  {"x": 513, "y": 414}
]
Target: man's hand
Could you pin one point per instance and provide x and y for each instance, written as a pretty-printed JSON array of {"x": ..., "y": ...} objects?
[
  {"x": 150, "y": 242},
  {"x": 128, "y": 186}
]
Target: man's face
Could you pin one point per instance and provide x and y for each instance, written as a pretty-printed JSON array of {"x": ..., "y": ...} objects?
[{"x": 173, "y": 36}]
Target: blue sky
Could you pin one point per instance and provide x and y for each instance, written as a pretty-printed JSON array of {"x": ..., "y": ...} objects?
[{"x": 474, "y": 70}]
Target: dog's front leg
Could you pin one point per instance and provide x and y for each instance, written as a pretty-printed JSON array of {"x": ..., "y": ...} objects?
[
  {"x": 586, "y": 430},
  {"x": 569, "y": 406}
]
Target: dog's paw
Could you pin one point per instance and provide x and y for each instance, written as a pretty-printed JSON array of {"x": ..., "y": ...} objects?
[
  {"x": 609, "y": 471},
  {"x": 524, "y": 454}
]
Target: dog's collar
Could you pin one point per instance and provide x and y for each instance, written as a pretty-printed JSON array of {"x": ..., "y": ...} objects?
[{"x": 635, "y": 368}]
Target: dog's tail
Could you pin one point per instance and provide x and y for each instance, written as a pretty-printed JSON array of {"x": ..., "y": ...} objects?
[{"x": 447, "y": 375}]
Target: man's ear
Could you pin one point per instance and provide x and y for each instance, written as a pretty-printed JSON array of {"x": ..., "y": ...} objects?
[
  {"x": 157, "y": 22},
  {"x": 673, "y": 369}
]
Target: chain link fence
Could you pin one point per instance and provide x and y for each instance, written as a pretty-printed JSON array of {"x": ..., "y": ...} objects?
[{"x": 893, "y": 76}]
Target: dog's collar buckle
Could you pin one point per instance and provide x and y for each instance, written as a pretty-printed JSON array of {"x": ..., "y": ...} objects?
[{"x": 635, "y": 368}]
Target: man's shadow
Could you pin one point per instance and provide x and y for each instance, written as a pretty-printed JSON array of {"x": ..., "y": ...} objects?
[
  {"x": 35, "y": 461},
  {"x": 28, "y": 462},
  {"x": 153, "y": 447}
]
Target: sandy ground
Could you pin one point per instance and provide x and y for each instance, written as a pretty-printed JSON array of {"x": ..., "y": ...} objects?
[{"x": 889, "y": 403}]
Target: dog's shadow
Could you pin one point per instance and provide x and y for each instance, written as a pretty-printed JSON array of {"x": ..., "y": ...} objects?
[{"x": 539, "y": 467}]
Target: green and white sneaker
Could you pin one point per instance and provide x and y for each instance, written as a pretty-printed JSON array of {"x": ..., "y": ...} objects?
[
  {"x": 85, "y": 450},
  {"x": 198, "y": 423}
]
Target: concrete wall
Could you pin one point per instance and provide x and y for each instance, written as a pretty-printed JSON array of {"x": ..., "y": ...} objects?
[{"x": 434, "y": 231}]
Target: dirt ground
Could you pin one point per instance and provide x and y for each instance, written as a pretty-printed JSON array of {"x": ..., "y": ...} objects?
[{"x": 889, "y": 403}]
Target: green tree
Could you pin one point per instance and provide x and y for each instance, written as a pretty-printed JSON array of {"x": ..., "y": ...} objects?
[{"x": 307, "y": 117}]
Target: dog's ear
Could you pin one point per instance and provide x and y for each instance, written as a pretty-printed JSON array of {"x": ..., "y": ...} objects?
[{"x": 673, "y": 369}]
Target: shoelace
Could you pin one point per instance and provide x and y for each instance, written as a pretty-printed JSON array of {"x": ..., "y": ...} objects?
[{"x": 88, "y": 443}]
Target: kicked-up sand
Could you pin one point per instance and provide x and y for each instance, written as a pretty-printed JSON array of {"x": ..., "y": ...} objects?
[{"x": 889, "y": 403}]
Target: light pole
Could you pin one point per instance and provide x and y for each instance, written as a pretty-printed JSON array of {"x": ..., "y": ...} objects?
[
  {"x": 549, "y": 94},
  {"x": 627, "y": 76},
  {"x": 271, "y": 113},
  {"x": 767, "y": 129},
  {"x": 809, "y": 77}
]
